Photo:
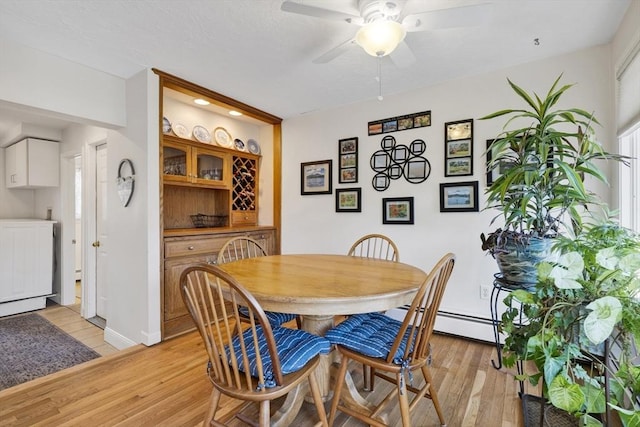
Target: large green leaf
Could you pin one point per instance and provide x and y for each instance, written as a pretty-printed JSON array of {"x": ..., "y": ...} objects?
[
  {"x": 599, "y": 324},
  {"x": 594, "y": 398},
  {"x": 565, "y": 395}
]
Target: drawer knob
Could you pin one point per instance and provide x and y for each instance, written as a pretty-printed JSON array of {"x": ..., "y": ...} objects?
[{"x": 190, "y": 248}]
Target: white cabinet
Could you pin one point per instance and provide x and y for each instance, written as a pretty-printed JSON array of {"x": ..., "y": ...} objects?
[
  {"x": 32, "y": 163},
  {"x": 26, "y": 264}
]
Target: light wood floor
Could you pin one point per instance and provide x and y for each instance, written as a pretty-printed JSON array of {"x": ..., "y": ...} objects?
[
  {"x": 166, "y": 385},
  {"x": 68, "y": 319}
]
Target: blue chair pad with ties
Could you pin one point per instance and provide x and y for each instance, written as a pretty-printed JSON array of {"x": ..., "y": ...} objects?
[
  {"x": 371, "y": 334},
  {"x": 275, "y": 318},
  {"x": 295, "y": 349}
]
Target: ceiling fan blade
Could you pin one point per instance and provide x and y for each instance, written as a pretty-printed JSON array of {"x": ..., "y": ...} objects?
[
  {"x": 402, "y": 55},
  {"x": 455, "y": 17},
  {"x": 335, "y": 52},
  {"x": 318, "y": 12}
]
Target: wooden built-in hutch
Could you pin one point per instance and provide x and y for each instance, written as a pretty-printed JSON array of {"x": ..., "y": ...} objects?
[{"x": 223, "y": 186}]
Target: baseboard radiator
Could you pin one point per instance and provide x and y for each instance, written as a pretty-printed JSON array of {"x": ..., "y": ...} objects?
[{"x": 459, "y": 324}]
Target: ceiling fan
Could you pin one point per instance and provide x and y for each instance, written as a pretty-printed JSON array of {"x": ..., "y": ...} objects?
[{"x": 383, "y": 25}]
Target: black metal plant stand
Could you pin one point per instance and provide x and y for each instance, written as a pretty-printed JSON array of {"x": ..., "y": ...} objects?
[{"x": 500, "y": 285}]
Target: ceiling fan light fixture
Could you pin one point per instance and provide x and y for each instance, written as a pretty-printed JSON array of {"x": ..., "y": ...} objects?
[{"x": 380, "y": 38}]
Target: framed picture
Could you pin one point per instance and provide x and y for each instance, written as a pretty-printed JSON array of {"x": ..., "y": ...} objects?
[
  {"x": 394, "y": 124},
  {"x": 348, "y": 160},
  {"x": 348, "y": 200},
  {"x": 315, "y": 177},
  {"x": 458, "y": 140},
  {"x": 397, "y": 210},
  {"x": 462, "y": 129},
  {"x": 492, "y": 174},
  {"x": 499, "y": 169},
  {"x": 459, "y": 197},
  {"x": 460, "y": 148},
  {"x": 458, "y": 166}
]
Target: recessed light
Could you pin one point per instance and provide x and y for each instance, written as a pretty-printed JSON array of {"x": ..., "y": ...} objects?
[
  {"x": 235, "y": 113},
  {"x": 201, "y": 101}
]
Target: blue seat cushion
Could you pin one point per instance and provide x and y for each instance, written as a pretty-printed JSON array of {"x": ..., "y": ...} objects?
[
  {"x": 371, "y": 334},
  {"x": 275, "y": 318},
  {"x": 295, "y": 349}
]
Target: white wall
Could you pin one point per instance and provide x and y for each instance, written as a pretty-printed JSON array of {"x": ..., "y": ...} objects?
[
  {"x": 32, "y": 78},
  {"x": 310, "y": 223},
  {"x": 133, "y": 308}
]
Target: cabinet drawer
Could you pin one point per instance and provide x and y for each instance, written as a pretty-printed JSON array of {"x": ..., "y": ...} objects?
[
  {"x": 186, "y": 247},
  {"x": 244, "y": 218}
]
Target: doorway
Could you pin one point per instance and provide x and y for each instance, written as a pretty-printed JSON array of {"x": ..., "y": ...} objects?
[
  {"x": 101, "y": 231},
  {"x": 94, "y": 233},
  {"x": 77, "y": 240}
]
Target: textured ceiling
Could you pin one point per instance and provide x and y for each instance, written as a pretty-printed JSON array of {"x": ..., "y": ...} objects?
[{"x": 252, "y": 51}]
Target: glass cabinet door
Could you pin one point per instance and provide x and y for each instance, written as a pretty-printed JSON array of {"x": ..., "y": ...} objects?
[
  {"x": 176, "y": 163},
  {"x": 209, "y": 166}
]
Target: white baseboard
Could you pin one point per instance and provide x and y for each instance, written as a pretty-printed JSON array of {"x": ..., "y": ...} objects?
[
  {"x": 151, "y": 338},
  {"x": 117, "y": 340}
]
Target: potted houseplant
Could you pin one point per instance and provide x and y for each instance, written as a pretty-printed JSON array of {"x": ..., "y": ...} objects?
[
  {"x": 588, "y": 296},
  {"x": 540, "y": 189}
]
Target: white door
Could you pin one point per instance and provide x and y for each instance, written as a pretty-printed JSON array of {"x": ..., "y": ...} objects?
[
  {"x": 77, "y": 195},
  {"x": 101, "y": 231}
]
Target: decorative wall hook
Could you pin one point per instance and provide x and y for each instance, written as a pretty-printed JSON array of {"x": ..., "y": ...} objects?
[{"x": 125, "y": 183}]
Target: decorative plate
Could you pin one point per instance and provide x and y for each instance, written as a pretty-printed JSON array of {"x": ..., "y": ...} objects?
[
  {"x": 201, "y": 134},
  {"x": 223, "y": 138},
  {"x": 239, "y": 144},
  {"x": 166, "y": 125},
  {"x": 253, "y": 146},
  {"x": 180, "y": 130}
]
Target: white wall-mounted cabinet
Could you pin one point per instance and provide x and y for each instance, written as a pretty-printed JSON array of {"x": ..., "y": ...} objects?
[
  {"x": 32, "y": 163},
  {"x": 26, "y": 264}
]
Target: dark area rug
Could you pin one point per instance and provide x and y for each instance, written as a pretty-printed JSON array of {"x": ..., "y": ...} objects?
[
  {"x": 32, "y": 347},
  {"x": 553, "y": 417}
]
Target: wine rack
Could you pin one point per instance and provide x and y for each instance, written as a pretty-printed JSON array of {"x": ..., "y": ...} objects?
[{"x": 244, "y": 184}]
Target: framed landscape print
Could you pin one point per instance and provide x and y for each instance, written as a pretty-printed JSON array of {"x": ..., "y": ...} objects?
[
  {"x": 348, "y": 163},
  {"x": 315, "y": 177},
  {"x": 348, "y": 200},
  {"x": 397, "y": 210},
  {"x": 458, "y": 166},
  {"x": 459, "y": 197},
  {"x": 499, "y": 169},
  {"x": 458, "y": 140}
]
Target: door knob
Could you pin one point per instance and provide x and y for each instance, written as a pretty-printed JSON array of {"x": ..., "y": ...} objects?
[{"x": 96, "y": 244}]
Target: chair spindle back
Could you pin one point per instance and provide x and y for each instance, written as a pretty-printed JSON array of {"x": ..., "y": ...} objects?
[
  {"x": 376, "y": 246},
  {"x": 205, "y": 289},
  {"x": 240, "y": 248},
  {"x": 421, "y": 315}
]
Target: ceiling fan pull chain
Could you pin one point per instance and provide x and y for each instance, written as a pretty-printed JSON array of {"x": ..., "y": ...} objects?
[{"x": 380, "y": 98}]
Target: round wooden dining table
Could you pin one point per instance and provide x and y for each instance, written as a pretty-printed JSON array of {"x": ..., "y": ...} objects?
[{"x": 319, "y": 287}]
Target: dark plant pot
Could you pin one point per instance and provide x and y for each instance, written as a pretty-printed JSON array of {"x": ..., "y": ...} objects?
[{"x": 518, "y": 261}]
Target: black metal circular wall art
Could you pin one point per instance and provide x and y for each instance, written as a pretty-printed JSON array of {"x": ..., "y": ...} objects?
[
  {"x": 125, "y": 183},
  {"x": 396, "y": 160}
]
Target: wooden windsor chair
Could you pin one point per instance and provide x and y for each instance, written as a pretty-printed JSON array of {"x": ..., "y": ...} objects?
[
  {"x": 248, "y": 360},
  {"x": 365, "y": 339},
  {"x": 376, "y": 246}
]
